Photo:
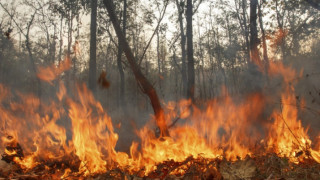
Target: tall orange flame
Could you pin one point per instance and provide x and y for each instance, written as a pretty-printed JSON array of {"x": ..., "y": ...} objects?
[{"x": 223, "y": 128}]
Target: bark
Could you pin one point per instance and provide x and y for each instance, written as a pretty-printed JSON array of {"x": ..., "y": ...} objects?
[
  {"x": 191, "y": 75},
  {"x": 54, "y": 43},
  {"x": 93, "y": 47},
  {"x": 246, "y": 31},
  {"x": 263, "y": 34},
  {"x": 119, "y": 63},
  {"x": 60, "y": 41},
  {"x": 254, "y": 41},
  {"x": 70, "y": 27},
  {"x": 145, "y": 85},
  {"x": 159, "y": 61},
  {"x": 183, "y": 51},
  {"x": 255, "y": 83}
]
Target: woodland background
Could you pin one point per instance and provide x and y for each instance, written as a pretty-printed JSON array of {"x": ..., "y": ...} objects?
[{"x": 37, "y": 33}]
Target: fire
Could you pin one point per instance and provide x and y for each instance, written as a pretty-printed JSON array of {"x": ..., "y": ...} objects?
[
  {"x": 287, "y": 137},
  {"x": 50, "y": 73},
  {"x": 34, "y": 132}
]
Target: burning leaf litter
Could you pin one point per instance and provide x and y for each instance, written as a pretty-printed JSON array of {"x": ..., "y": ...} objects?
[{"x": 216, "y": 141}]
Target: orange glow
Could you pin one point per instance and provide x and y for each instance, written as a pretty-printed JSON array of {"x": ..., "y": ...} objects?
[
  {"x": 287, "y": 137},
  {"x": 50, "y": 73},
  {"x": 224, "y": 127}
]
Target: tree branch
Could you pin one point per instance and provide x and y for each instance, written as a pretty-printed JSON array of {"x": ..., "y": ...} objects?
[
  {"x": 146, "y": 86},
  {"x": 154, "y": 32}
]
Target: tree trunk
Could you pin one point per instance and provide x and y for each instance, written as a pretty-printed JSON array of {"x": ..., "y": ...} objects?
[
  {"x": 93, "y": 47},
  {"x": 254, "y": 83},
  {"x": 60, "y": 41},
  {"x": 246, "y": 31},
  {"x": 119, "y": 63},
  {"x": 183, "y": 52},
  {"x": 264, "y": 43},
  {"x": 191, "y": 76},
  {"x": 254, "y": 41},
  {"x": 159, "y": 61},
  {"x": 70, "y": 27},
  {"x": 54, "y": 43},
  {"x": 144, "y": 84}
]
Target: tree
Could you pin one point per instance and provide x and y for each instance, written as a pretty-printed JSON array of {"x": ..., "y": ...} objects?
[
  {"x": 254, "y": 41},
  {"x": 93, "y": 47},
  {"x": 180, "y": 7},
  {"x": 242, "y": 18},
  {"x": 263, "y": 35},
  {"x": 191, "y": 76},
  {"x": 119, "y": 63},
  {"x": 26, "y": 34},
  {"x": 145, "y": 85}
]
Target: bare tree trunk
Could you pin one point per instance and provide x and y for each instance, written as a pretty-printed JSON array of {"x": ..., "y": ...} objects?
[
  {"x": 264, "y": 43},
  {"x": 158, "y": 60},
  {"x": 255, "y": 83},
  {"x": 254, "y": 41},
  {"x": 246, "y": 31},
  {"x": 191, "y": 76},
  {"x": 121, "y": 103},
  {"x": 183, "y": 51},
  {"x": 54, "y": 43},
  {"x": 60, "y": 41},
  {"x": 93, "y": 47},
  {"x": 143, "y": 82}
]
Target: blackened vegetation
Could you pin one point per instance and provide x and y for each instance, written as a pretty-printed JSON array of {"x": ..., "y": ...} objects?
[{"x": 14, "y": 150}]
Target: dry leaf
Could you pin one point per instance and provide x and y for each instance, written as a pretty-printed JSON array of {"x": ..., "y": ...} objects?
[{"x": 242, "y": 169}]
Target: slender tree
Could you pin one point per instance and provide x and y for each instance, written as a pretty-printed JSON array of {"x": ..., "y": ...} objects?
[
  {"x": 180, "y": 6},
  {"x": 93, "y": 46},
  {"x": 143, "y": 82},
  {"x": 254, "y": 41},
  {"x": 263, "y": 36},
  {"x": 119, "y": 63},
  {"x": 191, "y": 74}
]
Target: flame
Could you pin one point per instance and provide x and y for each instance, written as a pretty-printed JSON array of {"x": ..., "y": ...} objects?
[
  {"x": 287, "y": 137},
  {"x": 224, "y": 127},
  {"x": 50, "y": 73}
]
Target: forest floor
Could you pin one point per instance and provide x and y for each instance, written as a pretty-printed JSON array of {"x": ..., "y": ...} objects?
[{"x": 268, "y": 167}]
